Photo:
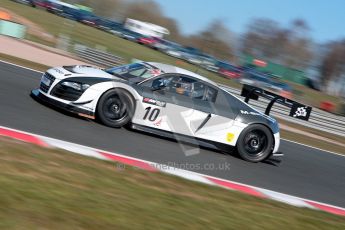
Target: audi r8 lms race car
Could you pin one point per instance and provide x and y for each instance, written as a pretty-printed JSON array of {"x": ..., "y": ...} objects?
[{"x": 169, "y": 101}]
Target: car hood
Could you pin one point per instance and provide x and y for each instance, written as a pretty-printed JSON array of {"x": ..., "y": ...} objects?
[{"x": 79, "y": 71}]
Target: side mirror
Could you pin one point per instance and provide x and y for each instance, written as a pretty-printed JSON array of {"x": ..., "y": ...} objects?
[{"x": 158, "y": 84}]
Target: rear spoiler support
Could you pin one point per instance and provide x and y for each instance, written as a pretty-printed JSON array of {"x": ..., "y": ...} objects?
[
  {"x": 269, "y": 106},
  {"x": 297, "y": 110},
  {"x": 250, "y": 93}
]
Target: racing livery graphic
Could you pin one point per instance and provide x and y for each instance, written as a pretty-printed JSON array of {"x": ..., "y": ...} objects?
[
  {"x": 300, "y": 111},
  {"x": 169, "y": 101}
]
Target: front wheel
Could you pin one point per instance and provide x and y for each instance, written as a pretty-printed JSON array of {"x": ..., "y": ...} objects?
[
  {"x": 115, "y": 108},
  {"x": 255, "y": 143}
]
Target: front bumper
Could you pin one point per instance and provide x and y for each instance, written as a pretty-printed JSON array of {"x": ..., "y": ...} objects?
[{"x": 36, "y": 94}]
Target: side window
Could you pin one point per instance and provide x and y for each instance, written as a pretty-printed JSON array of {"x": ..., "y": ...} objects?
[
  {"x": 161, "y": 83},
  {"x": 211, "y": 94},
  {"x": 192, "y": 88},
  {"x": 185, "y": 86},
  {"x": 181, "y": 85},
  {"x": 204, "y": 92},
  {"x": 199, "y": 90}
]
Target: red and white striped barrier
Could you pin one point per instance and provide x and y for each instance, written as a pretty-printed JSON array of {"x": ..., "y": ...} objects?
[{"x": 154, "y": 167}]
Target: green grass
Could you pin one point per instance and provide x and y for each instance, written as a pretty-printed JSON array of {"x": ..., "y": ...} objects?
[
  {"x": 312, "y": 131},
  {"x": 318, "y": 143},
  {"x": 52, "y": 189},
  {"x": 23, "y": 62}
]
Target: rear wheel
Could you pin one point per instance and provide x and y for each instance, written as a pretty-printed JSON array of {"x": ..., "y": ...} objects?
[
  {"x": 255, "y": 143},
  {"x": 115, "y": 108}
]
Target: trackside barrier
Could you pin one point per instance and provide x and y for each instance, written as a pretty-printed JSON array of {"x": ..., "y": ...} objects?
[
  {"x": 98, "y": 57},
  {"x": 12, "y": 29}
]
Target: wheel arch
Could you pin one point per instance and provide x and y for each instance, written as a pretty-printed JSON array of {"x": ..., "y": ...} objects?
[
  {"x": 263, "y": 124},
  {"x": 114, "y": 88},
  {"x": 256, "y": 153}
]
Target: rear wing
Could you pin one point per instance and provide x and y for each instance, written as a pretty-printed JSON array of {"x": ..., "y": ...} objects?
[{"x": 297, "y": 110}]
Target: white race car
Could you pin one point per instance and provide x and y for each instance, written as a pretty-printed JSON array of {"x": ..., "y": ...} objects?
[{"x": 168, "y": 101}]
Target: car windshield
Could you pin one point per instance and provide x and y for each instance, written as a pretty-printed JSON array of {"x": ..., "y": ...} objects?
[{"x": 137, "y": 71}]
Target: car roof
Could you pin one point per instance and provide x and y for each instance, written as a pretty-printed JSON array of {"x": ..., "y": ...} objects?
[{"x": 174, "y": 69}]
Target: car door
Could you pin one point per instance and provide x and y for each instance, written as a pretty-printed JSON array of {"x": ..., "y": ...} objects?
[
  {"x": 169, "y": 107},
  {"x": 213, "y": 115}
]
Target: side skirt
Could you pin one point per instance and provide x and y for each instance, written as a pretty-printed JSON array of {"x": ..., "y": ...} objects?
[{"x": 183, "y": 138}]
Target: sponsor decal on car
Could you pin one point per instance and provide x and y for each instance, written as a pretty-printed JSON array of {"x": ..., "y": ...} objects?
[
  {"x": 257, "y": 114},
  {"x": 57, "y": 70},
  {"x": 250, "y": 113},
  {"x": 230, "y": 137},
  {"x": 154, "y": 102},
  {"x": 300, "y": 111},
  {"x": 155, "y": 72},
  {"x": 158, "y": 123}
]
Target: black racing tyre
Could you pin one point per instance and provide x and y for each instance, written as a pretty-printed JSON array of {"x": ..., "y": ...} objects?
[
  {"x": 115, "y": 108},
  {"x": 255, "y": 143}
]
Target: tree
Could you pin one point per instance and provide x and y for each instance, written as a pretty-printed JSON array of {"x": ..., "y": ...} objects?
[
  {"x": 298, "y": 49},
  {"x": 290, "y": 46},
  {"x": 333, "y": 64},
  {"x": 215, "y": 39},
  {"x": 259, "y": 38}
]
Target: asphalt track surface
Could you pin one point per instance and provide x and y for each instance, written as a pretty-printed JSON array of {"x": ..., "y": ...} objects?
[{"x": 304, "y": 172}]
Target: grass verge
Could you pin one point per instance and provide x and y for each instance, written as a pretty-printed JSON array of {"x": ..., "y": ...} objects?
[
  {"x": 319, "y": 142},
  {"x": 23, "y": 62},
  {"x": 317, "y": 132},
  {"x": 53, "y": 189}
]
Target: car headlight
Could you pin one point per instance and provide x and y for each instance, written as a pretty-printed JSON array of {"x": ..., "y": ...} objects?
[{"x": 76, "y": 85}]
